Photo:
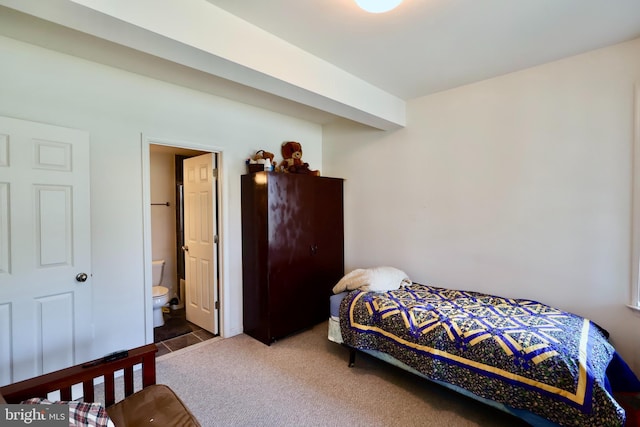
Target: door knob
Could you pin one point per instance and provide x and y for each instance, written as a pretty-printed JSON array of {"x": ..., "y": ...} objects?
[
  {"x": 185, "y": 248},
  {"x": 81, "y": 277}
]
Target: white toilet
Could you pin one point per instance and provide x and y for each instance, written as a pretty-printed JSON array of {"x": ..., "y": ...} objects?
[{"x": 160, "y": 293}]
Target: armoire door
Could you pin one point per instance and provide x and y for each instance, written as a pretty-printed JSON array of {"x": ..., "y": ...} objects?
[
  {"x": 291, "y": 236},
  {"x": 328, "y": 252}
]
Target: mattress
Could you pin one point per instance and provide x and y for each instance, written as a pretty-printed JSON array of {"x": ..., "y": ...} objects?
[{"x": 334, "y": 318}]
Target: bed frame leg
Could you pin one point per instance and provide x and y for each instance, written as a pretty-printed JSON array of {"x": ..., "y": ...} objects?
[{"x": 352, "y": 357}]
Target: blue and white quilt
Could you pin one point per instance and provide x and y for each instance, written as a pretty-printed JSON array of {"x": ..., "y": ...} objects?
[{"x": 517, "y": 352}]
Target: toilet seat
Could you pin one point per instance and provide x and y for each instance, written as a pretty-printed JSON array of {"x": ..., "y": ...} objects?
[{"x": 159, "y": 291}]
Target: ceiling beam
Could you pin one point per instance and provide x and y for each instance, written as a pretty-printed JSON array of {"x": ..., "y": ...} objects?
[{"x": 203, "y": 37}]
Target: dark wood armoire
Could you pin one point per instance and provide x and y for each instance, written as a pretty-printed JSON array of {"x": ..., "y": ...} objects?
[{"x": 292, "y": 251}]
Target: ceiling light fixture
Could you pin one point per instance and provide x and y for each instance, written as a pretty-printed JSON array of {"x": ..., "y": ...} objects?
[{"x": 378, "y": 6}]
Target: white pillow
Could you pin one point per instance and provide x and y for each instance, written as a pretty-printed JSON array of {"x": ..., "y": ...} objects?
[{"x": 377, "y": 279}]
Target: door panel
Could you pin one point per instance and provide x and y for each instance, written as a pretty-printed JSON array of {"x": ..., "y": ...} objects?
[
  {"x": 200, "y": 244},
  {"x": 45, "y": 314},
  {"x": 56, "y": 326},
  {"x": 53, "y": 225},
  {"x": 4, "y": 228},
  {"x": 5, "y": 343}
]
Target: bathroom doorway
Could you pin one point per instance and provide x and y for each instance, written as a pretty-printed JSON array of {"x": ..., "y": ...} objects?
[{"x": 166, "y": 236}]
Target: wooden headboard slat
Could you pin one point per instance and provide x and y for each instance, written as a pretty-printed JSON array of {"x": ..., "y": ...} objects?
[
  {"x": 128, "y": 381},
  {"x": 65, "y": 393},
  {"x": 109, "y": 389},
  {"x": 87, "y": 391}
]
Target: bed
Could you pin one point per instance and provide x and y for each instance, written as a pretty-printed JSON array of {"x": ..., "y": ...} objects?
[{"x": 541, "y": 364}]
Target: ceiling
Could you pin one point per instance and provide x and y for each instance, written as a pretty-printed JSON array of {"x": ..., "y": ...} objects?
[
  {"x": 426, "y": 46},
  {"x": 322, "y": 60}
]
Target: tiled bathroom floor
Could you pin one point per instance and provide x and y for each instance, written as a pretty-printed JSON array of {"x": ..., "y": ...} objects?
[{"x": 194, "y": 335}]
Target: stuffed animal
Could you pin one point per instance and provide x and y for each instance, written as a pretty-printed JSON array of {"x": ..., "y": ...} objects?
[
  {"x": 265, "y": 158},
  {"x": 292, "y": 163}
]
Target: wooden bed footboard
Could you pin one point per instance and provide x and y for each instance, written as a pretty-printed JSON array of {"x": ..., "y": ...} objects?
[{"x": 85, "y": 374}]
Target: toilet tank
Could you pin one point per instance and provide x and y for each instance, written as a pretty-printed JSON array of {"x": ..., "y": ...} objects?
[{"x": 157, "y": 267}]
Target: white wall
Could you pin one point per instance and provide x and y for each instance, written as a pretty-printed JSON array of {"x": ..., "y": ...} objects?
[
  {"x": 116, "y": 107},
  {"x": 518, "y": 185}
]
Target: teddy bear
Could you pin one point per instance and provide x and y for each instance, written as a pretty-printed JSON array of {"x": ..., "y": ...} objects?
[{"x": 292, "y": 163}]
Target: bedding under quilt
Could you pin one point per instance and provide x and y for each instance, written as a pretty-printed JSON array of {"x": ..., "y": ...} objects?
[{"x": 521, "y": 353}]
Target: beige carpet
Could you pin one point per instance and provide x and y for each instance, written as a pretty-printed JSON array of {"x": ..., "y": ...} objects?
[{"x": 304, "y": 380}]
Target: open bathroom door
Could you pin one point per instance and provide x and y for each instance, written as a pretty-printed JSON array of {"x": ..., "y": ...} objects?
[
  {"x": 201, "y": 241},
  {"x": 45, "y": 249}
]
